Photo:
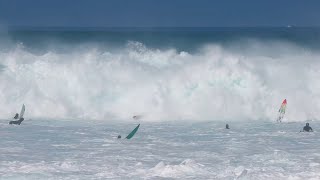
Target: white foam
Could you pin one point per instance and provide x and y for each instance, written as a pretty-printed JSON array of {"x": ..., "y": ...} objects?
[
  {"x": 159, "y": 150},
  {"x": 185, "y": 168},
  {"x": 213, "y": 83}
]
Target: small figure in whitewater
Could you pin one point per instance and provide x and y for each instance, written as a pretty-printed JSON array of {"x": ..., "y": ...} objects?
[
  {"x": 307, "y": 128},
  {"x": 18, "y": 122},
  {"x": 227, "y": 126},
  {"x": 136, "y": 117},
  {"x": 16, "y": 116},
  {"x": 119, "y": 136}
]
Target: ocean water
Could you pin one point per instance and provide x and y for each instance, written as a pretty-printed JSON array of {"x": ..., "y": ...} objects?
[
  {"x": 81, "y": 88},
  {"x": 55, "y": 149}
]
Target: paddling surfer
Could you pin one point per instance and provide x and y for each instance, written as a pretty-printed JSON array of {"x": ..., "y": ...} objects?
[{"x": 307, "y": 128}]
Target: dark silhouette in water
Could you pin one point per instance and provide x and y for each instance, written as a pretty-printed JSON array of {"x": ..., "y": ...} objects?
[
  {"x": 16, "y": 116},
  {"x": 227, "y": 126},
  {"x": 307, "y": 128},
  {"x": 119, "y": 137},
  {"x": 18, "y": 122}
]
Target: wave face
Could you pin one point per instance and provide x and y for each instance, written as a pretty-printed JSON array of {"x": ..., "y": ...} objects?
[{"x": 241, "y": 78}]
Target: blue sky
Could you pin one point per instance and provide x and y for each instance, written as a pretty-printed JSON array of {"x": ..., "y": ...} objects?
[{"x": 159, "y": 13}]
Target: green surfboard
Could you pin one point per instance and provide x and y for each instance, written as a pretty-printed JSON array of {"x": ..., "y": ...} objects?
[{"x": 133, "y": 132}]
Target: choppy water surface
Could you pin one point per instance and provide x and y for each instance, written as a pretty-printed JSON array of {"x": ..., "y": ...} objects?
[{"x": 57, "y": 149}]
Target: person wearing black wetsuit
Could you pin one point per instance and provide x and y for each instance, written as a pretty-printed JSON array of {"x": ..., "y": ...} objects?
[
  {"x": 307, "y": 128},
  {"x": 227, "y": 126},
  {"x": 18, "y": 122},
  {"x": 16, "y": 116}
]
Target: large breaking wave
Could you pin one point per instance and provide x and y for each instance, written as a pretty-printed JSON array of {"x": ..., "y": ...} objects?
[{"x": 211, "y": 83}]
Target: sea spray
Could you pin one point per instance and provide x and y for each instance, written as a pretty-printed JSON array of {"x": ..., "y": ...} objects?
[{"x": 214, "y": 82}]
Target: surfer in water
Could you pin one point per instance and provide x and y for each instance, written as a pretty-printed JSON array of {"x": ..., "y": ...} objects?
[
  {"x": 119, "y": 136},
  {"x": 227, "y": 126},
  {"x": 16, "y": 116},
  {"x": 307, "y": 128},
  {"x": 18, "y": 122}
]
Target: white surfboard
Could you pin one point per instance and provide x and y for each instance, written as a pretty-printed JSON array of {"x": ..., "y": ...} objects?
[{"x": 22, "y": 111}]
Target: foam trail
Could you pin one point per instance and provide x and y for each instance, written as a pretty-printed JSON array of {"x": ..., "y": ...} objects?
[{"x": 214, "y": 83}]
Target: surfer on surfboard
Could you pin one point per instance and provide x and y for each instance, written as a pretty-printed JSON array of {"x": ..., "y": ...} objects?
[{"x": 18, "y": 122}]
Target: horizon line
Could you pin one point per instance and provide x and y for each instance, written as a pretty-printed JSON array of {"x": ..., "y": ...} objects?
[{"x": 101, "y": 28}]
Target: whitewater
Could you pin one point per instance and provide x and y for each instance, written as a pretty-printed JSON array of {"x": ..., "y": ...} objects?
[{"x": 82, "y": 88}]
